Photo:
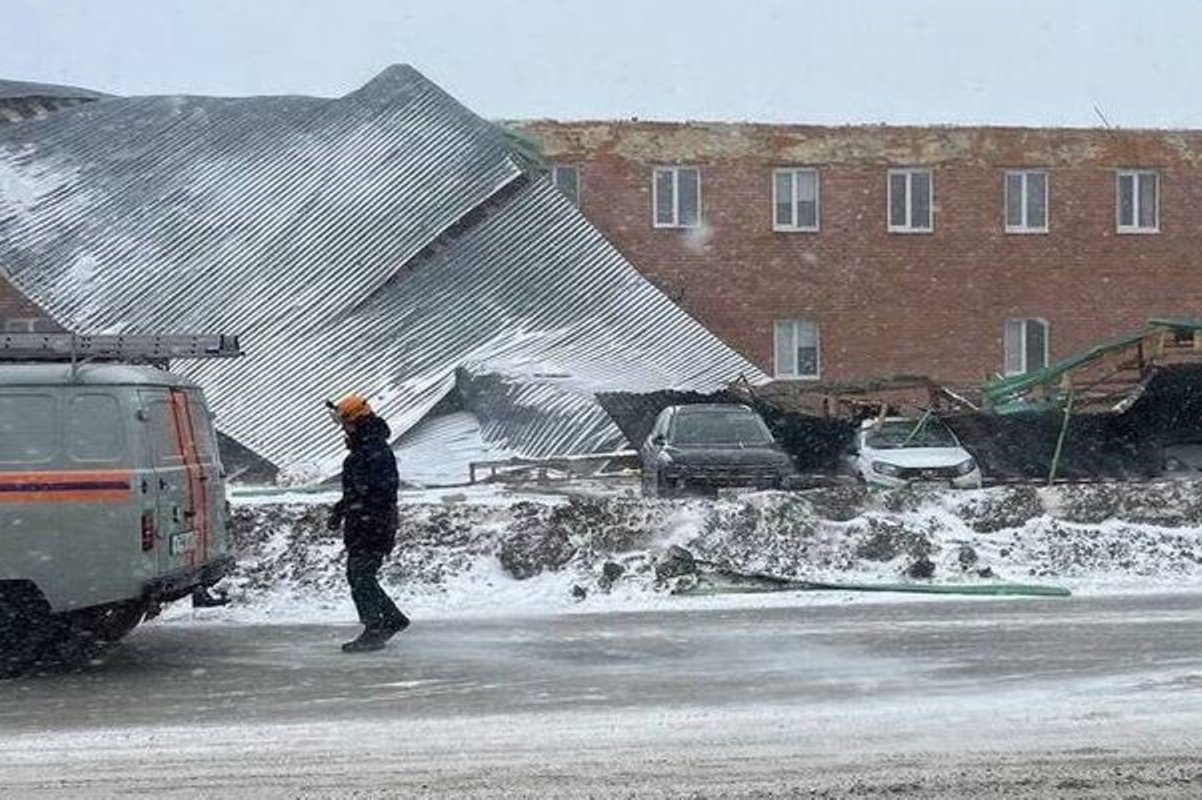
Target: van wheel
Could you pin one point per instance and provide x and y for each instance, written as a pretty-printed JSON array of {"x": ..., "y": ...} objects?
[
  {"x": 117, "y": 620},
  {"x": 24, "y": 627},
  {"x": 19, "y": 648},
  {"x": 81, "y": 636}
]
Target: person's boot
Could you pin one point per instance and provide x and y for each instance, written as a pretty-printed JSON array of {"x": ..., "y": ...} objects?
[
  {"x": 393, "y": 627},
  {"x": 366, "y": 642}
]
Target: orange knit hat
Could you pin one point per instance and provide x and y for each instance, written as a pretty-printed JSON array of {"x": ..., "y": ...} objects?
[{"x": 352, "y": 408}]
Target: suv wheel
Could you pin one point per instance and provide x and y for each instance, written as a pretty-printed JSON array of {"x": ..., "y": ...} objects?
[{"x": 649, "y": 485}]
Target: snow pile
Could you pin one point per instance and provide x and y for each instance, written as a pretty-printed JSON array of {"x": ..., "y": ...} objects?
[{"x": 459, "y": 556}]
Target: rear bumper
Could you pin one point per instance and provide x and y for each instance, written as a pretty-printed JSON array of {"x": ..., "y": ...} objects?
[{"x": 179, "y": 584}]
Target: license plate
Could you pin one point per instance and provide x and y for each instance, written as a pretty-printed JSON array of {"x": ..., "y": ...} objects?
[{"x": 182, "y": 543}]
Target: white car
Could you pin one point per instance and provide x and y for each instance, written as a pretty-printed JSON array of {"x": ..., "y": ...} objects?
[{"x": 897, "y": 451}]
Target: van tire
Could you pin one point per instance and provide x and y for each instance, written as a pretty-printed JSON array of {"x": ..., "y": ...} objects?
[
  {"x": 25, "y": 626},
  {"x": 117, "y": 620},
  {"x": 80, "y": 636}
]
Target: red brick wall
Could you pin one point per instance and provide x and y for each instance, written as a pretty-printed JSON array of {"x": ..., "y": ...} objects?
[
  {"x": 932, "y": 304},
  {"x": 14, "y": 305}
]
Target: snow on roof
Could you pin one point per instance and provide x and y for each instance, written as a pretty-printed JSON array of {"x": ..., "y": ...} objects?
[
  {"x": 387, "y": 242},
  {"x": 22, "y": 90}
]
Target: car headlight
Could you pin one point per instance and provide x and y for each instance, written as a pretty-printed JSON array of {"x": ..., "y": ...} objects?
[
  {"x": 965, "y": 467},
  {"x": 886, "y": 468}
]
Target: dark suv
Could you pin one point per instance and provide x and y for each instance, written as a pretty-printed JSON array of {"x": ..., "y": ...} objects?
[{"x": 709, "y": 447}]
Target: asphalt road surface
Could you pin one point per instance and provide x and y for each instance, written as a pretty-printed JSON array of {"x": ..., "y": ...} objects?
[{"x": 1084, "y": 697}]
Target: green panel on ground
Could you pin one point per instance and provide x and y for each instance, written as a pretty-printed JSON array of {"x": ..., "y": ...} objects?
[{"x": 746, "y": 583}]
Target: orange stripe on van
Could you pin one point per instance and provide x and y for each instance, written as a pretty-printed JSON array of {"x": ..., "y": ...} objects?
[{"x": 107, "y": 486}]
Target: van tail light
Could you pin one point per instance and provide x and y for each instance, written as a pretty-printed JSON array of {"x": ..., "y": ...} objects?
[{"x": 148, "y": 531}]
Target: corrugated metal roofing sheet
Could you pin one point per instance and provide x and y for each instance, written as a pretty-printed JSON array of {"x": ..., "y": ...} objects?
[{"x": 377, "y": 242}]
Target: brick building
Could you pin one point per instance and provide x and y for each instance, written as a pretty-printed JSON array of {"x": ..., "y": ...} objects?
[{"x": 836, "y": 253}]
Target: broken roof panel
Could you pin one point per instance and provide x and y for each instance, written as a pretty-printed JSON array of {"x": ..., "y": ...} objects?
[
  {"x": 379, "y": 242},
  {"x": 1107, "y": 376},
  {"x": 533, "y": 294}
]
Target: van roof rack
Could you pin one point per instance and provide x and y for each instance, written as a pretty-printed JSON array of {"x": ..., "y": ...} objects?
[{"x": 135, "y": 348}]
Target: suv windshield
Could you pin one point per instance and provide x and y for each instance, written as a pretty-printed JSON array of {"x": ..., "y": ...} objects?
[
  {"x": 719, "y": 428},
  {"x": 891, "y": 435}
]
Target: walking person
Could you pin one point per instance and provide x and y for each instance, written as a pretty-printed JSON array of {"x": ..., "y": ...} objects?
[{"x": 367, "y": 514}]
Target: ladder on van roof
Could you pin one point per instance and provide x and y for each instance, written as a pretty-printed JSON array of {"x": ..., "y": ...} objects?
[{"x": 135, "y": 348}]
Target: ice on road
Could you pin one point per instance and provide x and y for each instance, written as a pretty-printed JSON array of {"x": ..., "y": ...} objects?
[{"x": 989, "y": 698}]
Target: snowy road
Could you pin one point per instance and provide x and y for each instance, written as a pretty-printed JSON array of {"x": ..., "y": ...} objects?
[{"x": 1081, "y": 697}]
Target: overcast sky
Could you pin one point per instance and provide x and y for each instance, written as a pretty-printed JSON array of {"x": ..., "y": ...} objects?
[{"x": 831, "y": 61}]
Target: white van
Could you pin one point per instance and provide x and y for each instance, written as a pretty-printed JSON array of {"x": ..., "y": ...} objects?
[{"x": 112, "y": 496}]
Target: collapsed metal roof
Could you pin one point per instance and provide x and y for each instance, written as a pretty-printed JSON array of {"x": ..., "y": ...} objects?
[{"x": 389, "y": 241}]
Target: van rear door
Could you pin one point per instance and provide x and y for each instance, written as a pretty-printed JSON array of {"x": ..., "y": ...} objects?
[
  {"x": 172, "y": 484},
  {"x": 212, "y": 473},
  {"x": 198, "y": 512}
]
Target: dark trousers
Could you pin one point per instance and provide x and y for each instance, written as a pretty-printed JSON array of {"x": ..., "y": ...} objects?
[{"x": 376, "y": 609}]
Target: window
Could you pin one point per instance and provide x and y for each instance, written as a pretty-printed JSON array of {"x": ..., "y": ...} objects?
[
  {"x": 95, "y": 430},
  {"x": 1138, "y": 201},
  {"x": 677, "y": 193},
  {"x": 1026, "y": 201},
  {"x": 161, "y": 429},
  {"x": 28, "y": 428},
  {"x": 566, "y": 178},
  {"x": 796, "y": 345},
  {"x": 1026, "y": 345},
  {"x": 202, "y": 428},
  {"x": 910, "y": 198},
  {"x": 795, "y": 200}
]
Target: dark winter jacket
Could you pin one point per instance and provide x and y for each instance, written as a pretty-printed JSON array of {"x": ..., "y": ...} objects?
[{"x": 368, "y": 507}]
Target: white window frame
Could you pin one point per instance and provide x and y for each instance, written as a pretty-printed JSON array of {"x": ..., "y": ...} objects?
[
  {"x": 909, "y": 172},
  {"x": 1022, "y": 345},
  {"x": 1024, "y": 226},
  {"x": 794, "y": 376},
  {"x": 1136, "y": 228},
  {"x": 675, "y": 170},
  {"x": 793, "y": 201},
  {"x": 555, "y": 181}
]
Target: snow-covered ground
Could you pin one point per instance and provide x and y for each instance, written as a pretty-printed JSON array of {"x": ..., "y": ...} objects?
[{"x": 489, "y": 551}]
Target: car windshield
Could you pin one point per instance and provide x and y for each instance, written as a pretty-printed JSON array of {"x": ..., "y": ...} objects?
[
  {"x": 907, "y": 433},
  {"x": 720, "y": 428}
]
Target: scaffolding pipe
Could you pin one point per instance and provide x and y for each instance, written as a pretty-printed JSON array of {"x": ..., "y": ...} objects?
[{"x": 1068, "y": 411}]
